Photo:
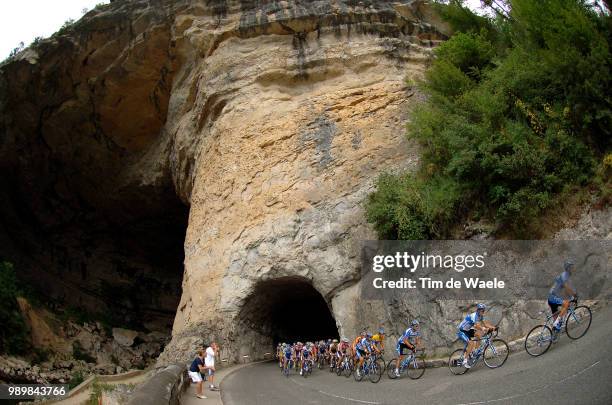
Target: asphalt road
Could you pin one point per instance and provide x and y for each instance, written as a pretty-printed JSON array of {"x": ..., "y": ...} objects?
[{"x": 571, "y": 372}]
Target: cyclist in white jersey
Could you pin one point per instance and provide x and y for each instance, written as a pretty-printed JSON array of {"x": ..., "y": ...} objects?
[
  {"x": 561, "y": 287},
  {"x": 473, "y": 325}
]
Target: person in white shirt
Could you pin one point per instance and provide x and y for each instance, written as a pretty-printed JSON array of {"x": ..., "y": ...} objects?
[{"x": 209, "y": 362}]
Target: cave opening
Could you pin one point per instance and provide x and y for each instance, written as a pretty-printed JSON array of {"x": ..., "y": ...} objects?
[
  {"x": 119, "y": 261},
  {"x": 289, "y": 309}
]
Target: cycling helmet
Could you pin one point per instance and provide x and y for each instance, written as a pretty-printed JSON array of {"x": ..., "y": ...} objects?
[
  {"x": 335, "y": 341},
  {"x": 415, "y": 322},
  {"x": 569, "y": 263},
  {"x": 381, "y": 331},
  {"x": 368, "y": 335},
  {"x": 345, "y": 340},
  {"x": 481, "y": 306}
]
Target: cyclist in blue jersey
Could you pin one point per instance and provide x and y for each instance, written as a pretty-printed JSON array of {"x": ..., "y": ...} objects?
[
  {"x": 322, "y": 348},
  {"x": 305, "y": 355},
  {"x": 561, "y": 287},
  {"x": 364, "y": 348},
  {"x": 411, "y": 339},
  {"x": 474, "y": 325},
  {"x": 287, "y": 355}
]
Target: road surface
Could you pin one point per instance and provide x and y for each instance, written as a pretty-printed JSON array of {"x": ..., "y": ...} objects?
[{"x": 571, "y": 372}]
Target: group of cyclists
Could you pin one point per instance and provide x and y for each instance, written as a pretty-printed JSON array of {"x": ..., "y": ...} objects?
[
  {"x": 332, "y": 352},
  {"x": 304, "y": 356}
]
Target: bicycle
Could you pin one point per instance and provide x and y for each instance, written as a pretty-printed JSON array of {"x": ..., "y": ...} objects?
[
  {"x": 333, "y": 360},
  {"x": 345, "y": 367},
  {"x": 307, "y": 367},
  {"x": 493, "y": 351},
  {"x": 321, "y": 360},
  {"x": 412, "y": 365},
  {"x": 286, "y": 367},
  {"x": 577, "y": 322},
  {"x": 297, "y": 365},
  {"x": 372, "y": 367}
]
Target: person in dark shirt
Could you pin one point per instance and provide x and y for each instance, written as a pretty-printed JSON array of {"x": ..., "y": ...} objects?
[{"x": 197, "y": 366}]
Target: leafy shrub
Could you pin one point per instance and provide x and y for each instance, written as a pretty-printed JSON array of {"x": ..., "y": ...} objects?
[
  {"x": 407, "y": 207},
  {"x": 518, "y": 113},
  {"x": 14, "y": 337},
  {"x": 96, "y": 392},
  {"x": 76, "y": 379},
  {"x": 65, "y": 27}
]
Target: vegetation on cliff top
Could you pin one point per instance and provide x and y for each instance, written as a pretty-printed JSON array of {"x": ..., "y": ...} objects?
[{"x": 518, "y": 116}]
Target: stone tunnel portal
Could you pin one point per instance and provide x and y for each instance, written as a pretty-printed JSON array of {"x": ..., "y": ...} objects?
[{"x": 289, "y": 309}]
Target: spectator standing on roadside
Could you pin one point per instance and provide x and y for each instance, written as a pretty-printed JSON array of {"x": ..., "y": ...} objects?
[
  {"x": 209, "y": 361},
  {"x": 198, "y": 366}
]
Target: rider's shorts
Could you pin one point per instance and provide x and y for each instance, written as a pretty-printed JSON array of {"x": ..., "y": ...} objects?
[
  {"x": 554, "y": 302},
  {"x": 360, "y": 353},
  {"x": 465, "y": 335},
  {"x": 553, "y": 299},
  {"x": 400, "y": 348}
]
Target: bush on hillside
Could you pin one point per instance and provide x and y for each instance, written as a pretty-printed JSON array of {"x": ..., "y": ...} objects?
[{"x": 518, "y": 113}]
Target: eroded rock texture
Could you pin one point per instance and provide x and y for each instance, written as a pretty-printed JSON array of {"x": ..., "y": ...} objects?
[{"x": 265, "y": 121}]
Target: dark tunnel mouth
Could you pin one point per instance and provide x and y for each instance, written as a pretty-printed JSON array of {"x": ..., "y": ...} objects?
[{"x": 289, "y": 309}]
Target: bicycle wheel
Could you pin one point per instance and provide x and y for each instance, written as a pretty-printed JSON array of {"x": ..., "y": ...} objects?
[
  {"x": 578, "y": 322},
  {"x": 376, "y": 371},
  {"x": 496, "y": 353},
  {"x": 538, "y": 340},
  {"x": 455, "y": 362},
  {"x": 391, "y": 369},
  {"x": 358, "y": 373},
  {"x": 349, "y": 368},
  {"x": 416, "y": 368}
]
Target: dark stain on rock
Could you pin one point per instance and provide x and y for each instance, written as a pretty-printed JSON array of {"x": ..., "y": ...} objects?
[
  {"x": 321, "y": 132},
  {"x": 300, "y": 44},
  {"x": 356, "y": 141},
  {"x": 219, "y": 8}
]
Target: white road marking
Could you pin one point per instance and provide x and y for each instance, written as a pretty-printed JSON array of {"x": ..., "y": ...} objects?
[
  {"x": 533, "y": 391},
  {"x": 338, "y": 396}
]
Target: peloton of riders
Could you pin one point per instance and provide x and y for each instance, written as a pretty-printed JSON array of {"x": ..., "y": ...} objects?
[{"x": 471, "y": 329}]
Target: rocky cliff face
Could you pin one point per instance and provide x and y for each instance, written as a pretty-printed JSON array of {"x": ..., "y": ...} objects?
[
  {"x": 213, "y": 152},
  {"x": 204, "y": 163}
]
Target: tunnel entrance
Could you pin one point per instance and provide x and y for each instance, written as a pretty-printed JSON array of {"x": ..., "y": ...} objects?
[{"x": 289, "y": 309}]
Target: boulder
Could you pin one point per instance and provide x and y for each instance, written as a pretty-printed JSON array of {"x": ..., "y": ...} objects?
[{"x": 125, "y": 337}]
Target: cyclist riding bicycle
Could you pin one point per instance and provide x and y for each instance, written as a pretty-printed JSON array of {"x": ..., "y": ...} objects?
[
  {"x": 297, "y": 354},
  {"x": 364, "y": 348},
  {"x": 561, "y": 287},
  {"x": 305, "y": 355},
  {"x": 322, "y": 348},
  {"x": 288, "y": 355},
  {"x": 333, "y": 348},
  {"x": 379, "y": 339},
  {"x": 411, "y": 339},
  {"x": 343, "y": 348},
  {"x": 356, "y": 341},
  {"x": 474, "y": 325}
]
